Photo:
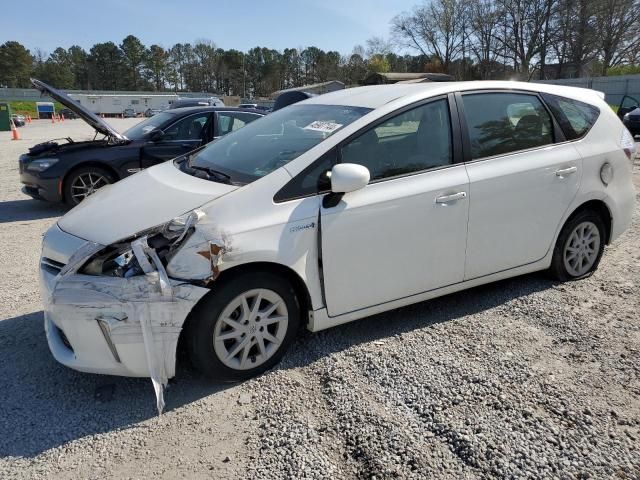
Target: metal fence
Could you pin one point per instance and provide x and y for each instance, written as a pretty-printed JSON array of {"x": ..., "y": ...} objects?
[
  {"x": 614, "y": 88},
  {"x": 33, "y": 95}
]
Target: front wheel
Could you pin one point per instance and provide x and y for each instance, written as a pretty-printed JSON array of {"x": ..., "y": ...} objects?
[
  {"x": 83, "y": 182},
  {"x": 579, "y": 247},
  {"x": 243, "y": 327}
]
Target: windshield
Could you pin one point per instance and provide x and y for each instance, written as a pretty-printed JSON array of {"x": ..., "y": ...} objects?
[
  {"x": 142, "y": 129},
  {"x": 274, "y": 140}
]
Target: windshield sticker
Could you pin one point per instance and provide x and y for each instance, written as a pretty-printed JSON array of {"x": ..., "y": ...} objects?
[{"x": 323, "y": 126}]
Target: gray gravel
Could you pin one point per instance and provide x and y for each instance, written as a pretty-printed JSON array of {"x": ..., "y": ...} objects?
[{"x": 520, "y": 379}]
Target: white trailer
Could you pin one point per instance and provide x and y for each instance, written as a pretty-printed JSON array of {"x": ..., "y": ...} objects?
[{"x": 115, "y": 104}]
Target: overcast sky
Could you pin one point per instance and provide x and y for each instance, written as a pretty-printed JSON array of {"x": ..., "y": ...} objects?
[{"x": 241, "y": 24}]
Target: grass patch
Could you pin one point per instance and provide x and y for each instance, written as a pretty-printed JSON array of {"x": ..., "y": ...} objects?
[{"x": 29, "y": 108}]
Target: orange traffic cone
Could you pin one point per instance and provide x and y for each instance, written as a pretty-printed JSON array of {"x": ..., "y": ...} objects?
[
  {"x": 14, "y": 132},
  {"x": 53, "y": 118},
  {"x": 28, "y": 118},
  {"x": 62, "y": 117}
]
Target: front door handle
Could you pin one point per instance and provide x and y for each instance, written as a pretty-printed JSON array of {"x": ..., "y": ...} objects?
[
  {"x": 566, "y": 171},
  {"x": 451, "y": 198}
]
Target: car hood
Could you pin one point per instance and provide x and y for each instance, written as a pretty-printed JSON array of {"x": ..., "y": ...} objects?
[
  {"x": 88, "y": 116},
  {"x": 142, "y": 201}
]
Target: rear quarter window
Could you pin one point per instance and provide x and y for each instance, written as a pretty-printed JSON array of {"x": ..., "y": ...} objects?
[{"x": 574, "y": 117}]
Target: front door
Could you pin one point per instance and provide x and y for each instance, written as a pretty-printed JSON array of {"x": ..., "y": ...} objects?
[
  {"x": 521, "y": 182},
  {"x": 627, "y": 104},
  {"x": 181, "y": 137},
  {"x": 405, "y": 232}
]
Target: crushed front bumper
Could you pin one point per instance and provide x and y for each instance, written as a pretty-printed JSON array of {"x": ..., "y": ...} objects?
[{"x": 110, "y": 325}]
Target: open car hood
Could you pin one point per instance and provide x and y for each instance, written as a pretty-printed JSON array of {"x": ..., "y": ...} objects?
[{"x": 88, "y": 116}]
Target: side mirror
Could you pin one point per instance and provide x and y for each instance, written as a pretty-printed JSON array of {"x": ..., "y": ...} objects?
[
  {"x": 156, "y": 135},
  {"x": 349, "y": 177},
  {"x": 345, "y": 178}
]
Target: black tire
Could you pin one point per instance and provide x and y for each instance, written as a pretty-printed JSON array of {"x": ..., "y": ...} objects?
[
  {"x": 69, "y": 191},
  {"x": 207, "y": 314},
  {"x": 558, "y": 269}
]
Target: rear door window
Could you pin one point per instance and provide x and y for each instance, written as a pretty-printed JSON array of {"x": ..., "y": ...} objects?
[
  {"x": 574, "y": 117},
  {"x": 501, "y": 123},
  {"x": 231, "y": 121}
]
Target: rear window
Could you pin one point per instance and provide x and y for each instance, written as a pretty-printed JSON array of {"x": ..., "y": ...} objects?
[{"x": 574, "y": 117}]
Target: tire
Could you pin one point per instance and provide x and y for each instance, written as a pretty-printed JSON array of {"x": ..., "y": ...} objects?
[
  {"x": 210, "y": 338},
  {"x": 575, "y": 257},
  {"x": 73, "y": 188}
]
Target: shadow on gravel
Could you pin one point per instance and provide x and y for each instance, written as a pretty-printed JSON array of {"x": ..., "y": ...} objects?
[
  {"x": 310, "y": 347},
  {"x": 44, "y": 405},
  {"x": 22, "y": 210}
]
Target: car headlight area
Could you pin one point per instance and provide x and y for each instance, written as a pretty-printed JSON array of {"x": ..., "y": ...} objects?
[{"x": 113, "y": 309}]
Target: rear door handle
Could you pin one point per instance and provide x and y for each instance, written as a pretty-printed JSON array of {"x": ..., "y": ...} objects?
[
  {"x": 451, "y": 198},
  {"x": 566, "y": 171}
]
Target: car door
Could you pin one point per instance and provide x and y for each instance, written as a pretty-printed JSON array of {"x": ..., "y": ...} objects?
[
  {"x": 229, "y": 121},
  {"x": 405, "y": 232},
  {"x": 522, "y": 175},
  {"x": 182, "y": 136},
  {"x": 627, "y": 104}
]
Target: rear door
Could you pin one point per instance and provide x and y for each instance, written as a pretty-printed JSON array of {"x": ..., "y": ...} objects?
[
  {"x": 522, "y": 175},
  {"x": 184, "y": 135}
]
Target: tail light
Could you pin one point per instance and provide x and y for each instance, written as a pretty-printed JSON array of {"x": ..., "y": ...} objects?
[{"x": 628, "y": 144}]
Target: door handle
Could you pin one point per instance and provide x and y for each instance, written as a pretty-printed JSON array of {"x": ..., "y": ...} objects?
[
  {"x": 451, "y": 198},
  {"x": 566, "y": 171}
]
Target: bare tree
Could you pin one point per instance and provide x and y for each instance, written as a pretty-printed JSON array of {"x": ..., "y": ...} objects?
[
  {"x": 484, "y": 25},
  {"x": 436, "y": 28},
  {"x": 617, "y": 30},
  {"x": 524, "y": 26}
]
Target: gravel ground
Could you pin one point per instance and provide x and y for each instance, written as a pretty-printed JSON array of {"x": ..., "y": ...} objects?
[{"x": 524, "y": 378}]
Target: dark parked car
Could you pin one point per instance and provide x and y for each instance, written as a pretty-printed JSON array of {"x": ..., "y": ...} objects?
[
  {"x": 71, "y": 171},
  {"x": 18, "y": 120},
  {"x": 68, "y": 114},
  {"x": 197, "y": 102},
  {"x": 629, "y": 113},
  {"x": 150, "y": 112}
]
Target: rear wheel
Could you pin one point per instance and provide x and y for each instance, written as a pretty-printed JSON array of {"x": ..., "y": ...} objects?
[
  {"x": 85, "y": 181},
  {"x": 244, "y": 327},
  {"x": 579, "y": 247}
]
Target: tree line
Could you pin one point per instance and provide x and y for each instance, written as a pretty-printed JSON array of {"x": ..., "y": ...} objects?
[
  {"x": 470, "y": 39},
  {"x": 526, "y": 39}
]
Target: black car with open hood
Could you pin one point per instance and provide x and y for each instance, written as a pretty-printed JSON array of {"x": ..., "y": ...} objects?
[{"x": 68, "y": 170}]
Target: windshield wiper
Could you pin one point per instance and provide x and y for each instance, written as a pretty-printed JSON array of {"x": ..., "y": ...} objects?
[{"x": 218, "y": 175}]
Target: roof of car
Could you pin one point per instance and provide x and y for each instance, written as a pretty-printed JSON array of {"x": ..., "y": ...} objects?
[
  {"x": 206, "y": 108},
  {"x": 375, "y": 96}
]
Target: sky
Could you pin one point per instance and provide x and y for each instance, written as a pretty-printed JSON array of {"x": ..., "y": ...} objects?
[{"x": 240, "y": 24}]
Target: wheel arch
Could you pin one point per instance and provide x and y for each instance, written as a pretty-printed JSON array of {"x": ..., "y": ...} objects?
[
  {"x": 599, "y": 206},
  {"x": 298, "y": 284},
  {"x": 84, "y": 164}
]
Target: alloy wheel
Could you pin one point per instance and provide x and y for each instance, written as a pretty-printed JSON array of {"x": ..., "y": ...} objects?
[
  {"x": 581, "y": 249},
  {"x": 86, "y": 184},
  {"x": 250, "y": 329}
]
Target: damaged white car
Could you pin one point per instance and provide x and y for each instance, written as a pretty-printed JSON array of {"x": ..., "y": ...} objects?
[{"x": 339, "y": 207}]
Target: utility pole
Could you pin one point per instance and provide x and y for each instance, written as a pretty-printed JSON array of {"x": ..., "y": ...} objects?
[{"x": 244, "y": 84}]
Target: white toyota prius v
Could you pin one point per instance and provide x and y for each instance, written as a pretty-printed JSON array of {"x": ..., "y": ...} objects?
[{"x": 336, "y": 208}]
